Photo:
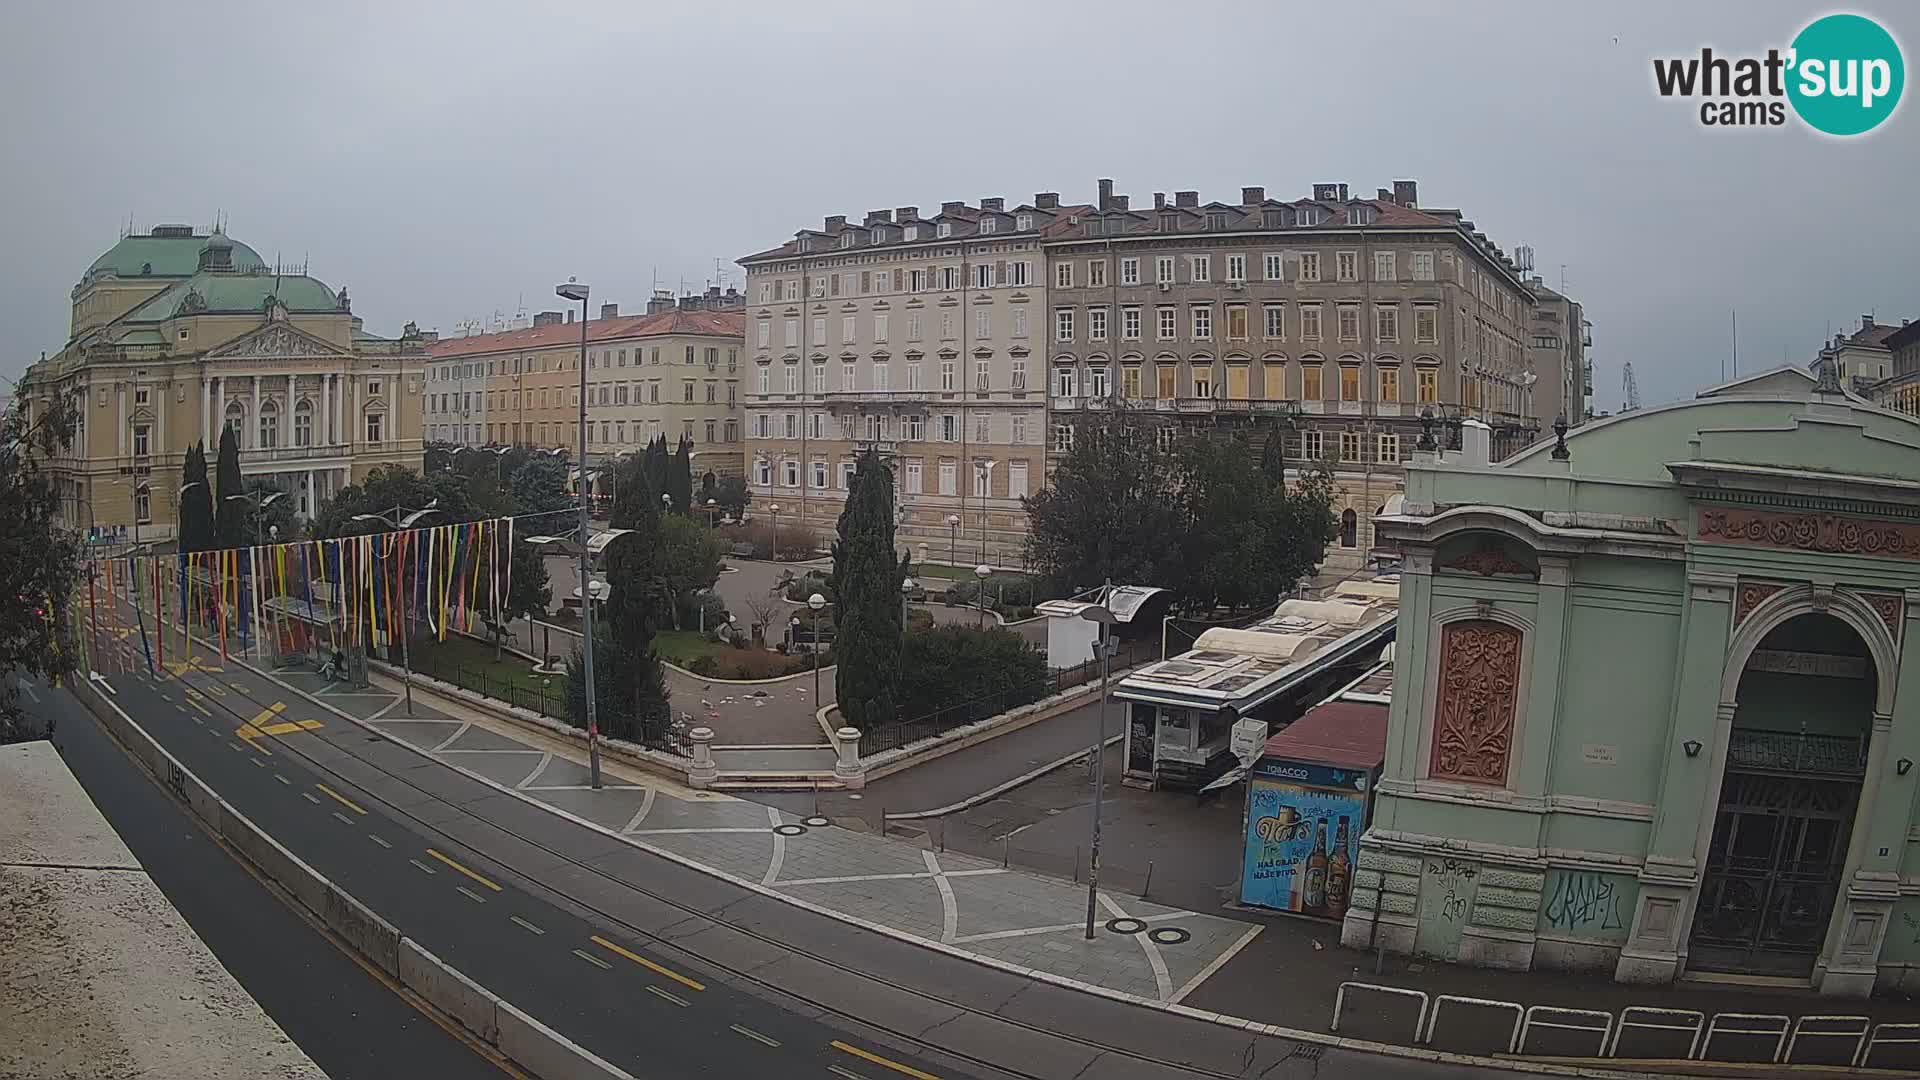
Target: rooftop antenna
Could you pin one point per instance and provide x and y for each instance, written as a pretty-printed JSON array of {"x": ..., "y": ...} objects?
[{"x": 1734, "y": 347}]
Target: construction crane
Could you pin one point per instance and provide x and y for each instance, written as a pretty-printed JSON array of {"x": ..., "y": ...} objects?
[{"x": 1630, "y": 386}]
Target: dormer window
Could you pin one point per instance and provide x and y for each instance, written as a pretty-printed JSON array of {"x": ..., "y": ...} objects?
[
  {"x": 1309, "y": 215},
  {"x": 943, "y": 230},
  {"x": 1273, "y": 219},
  {"x": 911, "y": 232},
  {"x": 1216, "y": 221},
  {"x": 986, "y": 225},
  {"x": 1023, "y": 222},
  {"x": 806, "y": 244},
  {"x": 1359, "y": 214},
  {"x": 879, "y": 236},
  {"x": 846, "y": 240},
  {"x": 1169, "y": 222}
]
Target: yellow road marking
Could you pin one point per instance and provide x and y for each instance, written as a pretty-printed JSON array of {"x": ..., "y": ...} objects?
[
  {"x": 659, "y": 993},
  {"x": 754, "y": 1035},
  {"x": 463, "y": 870},
  {"x": 888, "y": 1063},
  {"x": 525, "y": 925},
  {"x": 339, "y": 798},
  {"x": 648, "y": 964},
  {"x": 592, "y": 959}
]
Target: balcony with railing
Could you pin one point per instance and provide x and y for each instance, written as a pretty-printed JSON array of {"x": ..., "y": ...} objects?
[{"x": 897, "y": 398}]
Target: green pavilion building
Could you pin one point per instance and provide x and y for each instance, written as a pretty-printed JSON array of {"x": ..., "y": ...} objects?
[{"x": 1649, "y": 713}]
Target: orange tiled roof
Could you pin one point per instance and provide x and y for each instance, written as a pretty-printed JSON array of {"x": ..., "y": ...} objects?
[{"x": 663, "y": 324}]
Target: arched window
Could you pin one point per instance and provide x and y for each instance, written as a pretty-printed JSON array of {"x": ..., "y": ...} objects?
[
  {"x": 303, "y": 424},
  {"x": 1349, "y": 528},
  {"x": 269, "y": 424},
  {"x": 236, "y": 418}
]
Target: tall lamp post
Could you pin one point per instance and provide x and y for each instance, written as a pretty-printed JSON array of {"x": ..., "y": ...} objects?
[
  {"x": 396, "y": 522},
  {"x": 1103, "y": 615},
  {"x": 257, "y": 502},
  {"x": 574, "y": 290},
  {"x": 906, "y": 593},
  {"x": 814, "y": 604},
  {"x": 953, "y": 540},
  {"x": 774, "y": 509},
  {"x": 981, "y": 573},
  {"x": 713, "y": 507}
]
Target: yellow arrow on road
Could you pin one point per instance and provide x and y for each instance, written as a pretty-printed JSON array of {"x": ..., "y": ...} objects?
[{"x": 264, "y": 725}]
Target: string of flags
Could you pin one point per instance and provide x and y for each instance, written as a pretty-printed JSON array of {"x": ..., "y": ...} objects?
[{"x": 358, "y": 591}]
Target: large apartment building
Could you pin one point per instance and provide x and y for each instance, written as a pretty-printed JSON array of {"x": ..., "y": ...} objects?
[
  {"x": 1561, "y": 337},
  {"x": 176, "y": 335},
  {"x": 1900, "y": 390},
  {"x": 921, "y": 337},
  {"x": 675, "y": 372},
  {"x": 1333, "y": 321}
]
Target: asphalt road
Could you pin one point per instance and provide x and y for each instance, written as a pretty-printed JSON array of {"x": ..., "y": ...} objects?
[
  {"x": 650, "y": 1014},
  {"x": 349, "y": 1022}
]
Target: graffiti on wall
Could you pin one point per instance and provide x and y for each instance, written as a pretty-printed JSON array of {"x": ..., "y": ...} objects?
[
  {"x": 1447, "y": 891},
  {"x": 1588, "y": 903}
]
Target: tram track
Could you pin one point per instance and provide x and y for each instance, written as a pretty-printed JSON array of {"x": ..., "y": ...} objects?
[{"x": 196, "y": 679}]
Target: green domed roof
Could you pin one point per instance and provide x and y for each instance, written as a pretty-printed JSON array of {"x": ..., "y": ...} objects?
[
  {"x": 169, "y": 251},
  {"x": 232, "y": 294}
]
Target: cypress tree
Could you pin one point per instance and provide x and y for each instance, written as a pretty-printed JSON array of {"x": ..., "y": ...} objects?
[
  {"x": 229, "y": 515},
  {"x": 680, "y": 476},
  {"x": 196, "y": 502},
  {"x": 866, "y": 585}
]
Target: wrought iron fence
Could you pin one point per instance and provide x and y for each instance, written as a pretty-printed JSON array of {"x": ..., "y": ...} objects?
[{"x": 1056, "y": 681}]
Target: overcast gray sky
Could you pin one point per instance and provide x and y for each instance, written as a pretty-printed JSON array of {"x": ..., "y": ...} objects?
[{"x": 446, "y": 160}]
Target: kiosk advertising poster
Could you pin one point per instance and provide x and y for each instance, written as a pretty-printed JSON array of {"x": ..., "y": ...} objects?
[{"x": 1303, "y": 830}]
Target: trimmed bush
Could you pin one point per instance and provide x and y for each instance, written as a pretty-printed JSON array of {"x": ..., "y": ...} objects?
[{"x": 951, "y": 665}]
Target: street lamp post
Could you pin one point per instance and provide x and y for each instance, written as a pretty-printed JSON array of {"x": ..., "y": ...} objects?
[
  {"x": 713, "y": 507},
  {"x": 953, "y": 540},
  {"x": 774, "y": 509},
  {"x": 814, "y": 604},
  {"x": 906, "y": 592},
  {"x": 574, "y": 290},
  {"x": 1099, "y": 613},
  {"x": 257, "y": 502},
  {"x": 981, "y": 573},
  {"x": 406, "y": 635}
]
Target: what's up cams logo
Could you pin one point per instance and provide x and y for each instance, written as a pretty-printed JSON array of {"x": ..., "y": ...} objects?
[{"x": 1842, "y": 75}]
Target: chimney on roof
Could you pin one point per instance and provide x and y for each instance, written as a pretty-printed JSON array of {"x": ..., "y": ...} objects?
[
  {"x": 907, "y": 213},
  {"x": 834, "y": 221},
  {"x": 609, "y": 311},
  {"x": 1120, "y": 201},
  {"x": 950, "y": 207},
  {"x": 1406, "y": 192},
  {"x": 1326, "y": 192},
  {"x": 569, "y": 316},
  {"x": 1250, "y": 196},
  {"x": 546, "y": 318},
  {"x": 1866, "y": 323},
  {"x": 1188, "y": 199},
  {"x": 662, "y": 300},
  {"x": 1383, "y": 194},
  {"x": 995, "y": 203},
  {"x": 879, "y": 215},
  {"x": 1106, "y": 194},
  {"x": 1159, "y": 200},
  {"x": 1046, "y": 200}
]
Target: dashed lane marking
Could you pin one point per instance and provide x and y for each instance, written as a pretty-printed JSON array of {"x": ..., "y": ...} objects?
[
  {"x": 339, "y": 798},
  {"x": 525, "y": 925},
  {"x": 422, "y": 866},
  {"x": 470, "y": 894},
  {"x": 592, "y": 959},
  {"x": 840, "y": 1072},
  {"x": 258, "y": 762},
  {"x": 463, "y": 870},
  {"x": 343, "y": 819},
  {"x": 648, "y": 964},
  {"x": 883, "y": 1062},
  {"x": 283, "y": 779},
  {"x": 308, "y": 795},
  {"x": 379, "y": 841},
  {"x": 675, "y": 998},
  {"x": 754, "y": 1035}
]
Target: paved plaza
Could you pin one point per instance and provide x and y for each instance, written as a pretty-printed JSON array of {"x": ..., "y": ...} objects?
[{"x": 959, "y": 902}]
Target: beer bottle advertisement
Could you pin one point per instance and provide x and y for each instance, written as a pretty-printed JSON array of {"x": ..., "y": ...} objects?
[{"x": 1290, "y": 841}]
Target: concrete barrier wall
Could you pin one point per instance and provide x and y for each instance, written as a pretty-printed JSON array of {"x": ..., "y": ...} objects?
[
  {"x": 536, "y": 1047},
  {"x": 369, "y": 934},
  {"x": 541, "y": 1049},
  {"x": 453, "y": 993}
]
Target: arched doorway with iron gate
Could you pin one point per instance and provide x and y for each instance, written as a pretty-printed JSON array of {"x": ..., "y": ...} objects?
[{"x": 1795, "y": 761}]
